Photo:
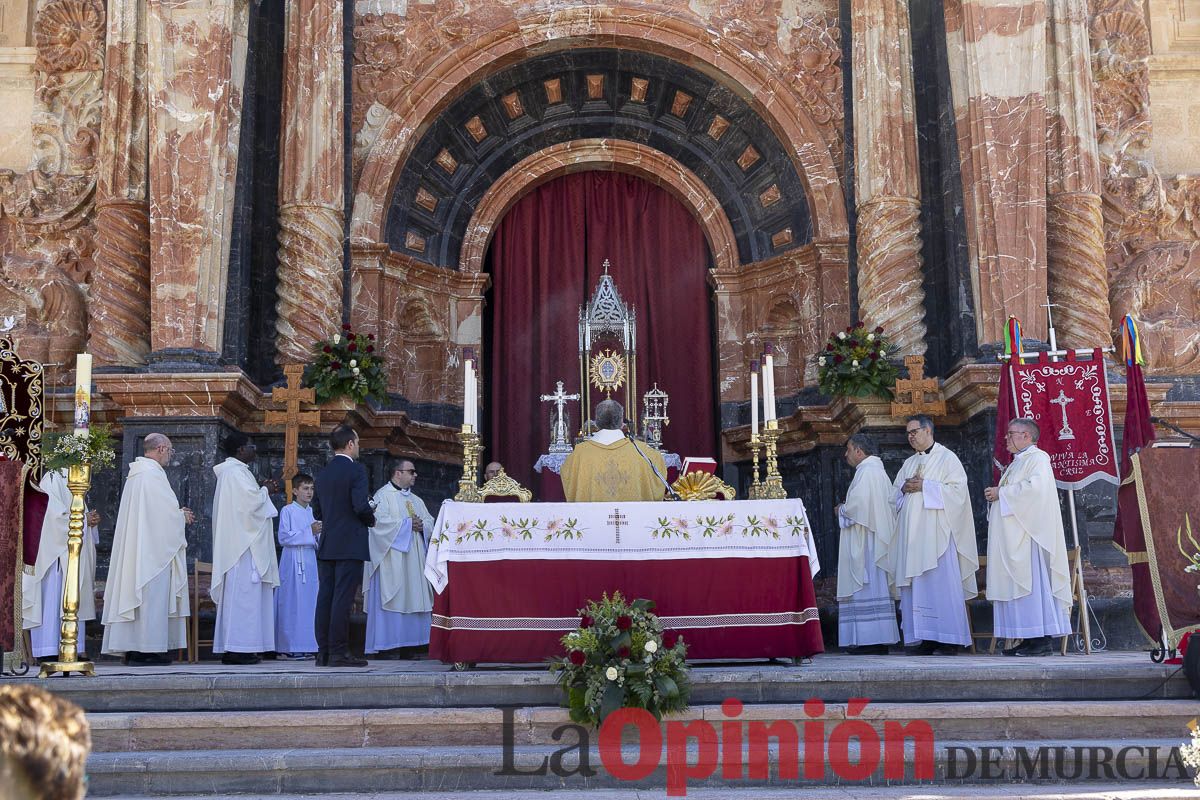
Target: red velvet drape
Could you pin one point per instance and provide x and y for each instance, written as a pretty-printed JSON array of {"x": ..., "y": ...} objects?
[{"x": 545, "y": 259}]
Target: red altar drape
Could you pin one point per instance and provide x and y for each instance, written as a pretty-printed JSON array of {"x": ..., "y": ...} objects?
[{"x": 545, "y": 259}]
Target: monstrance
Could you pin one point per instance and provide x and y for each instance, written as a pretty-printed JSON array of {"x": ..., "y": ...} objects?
[{"x": 608, "y": 345}]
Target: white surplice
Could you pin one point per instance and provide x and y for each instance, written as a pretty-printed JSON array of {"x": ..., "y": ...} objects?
[
  {"x": 397, "y": 597},
  {"x": 296, "y": 597},
  {"x": 146, "y": 594},
  {"x": 245, "y": 572},
  {"x": 934, "y": 551},
  {"x": 866, "y": 609},
  {"x": 1028, "y": 577}
]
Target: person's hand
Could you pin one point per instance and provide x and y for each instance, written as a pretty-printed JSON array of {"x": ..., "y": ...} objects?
[
  {"x": 992, "y": 493},
  {"x": 271, "y": 484},
  {"x": 93, "y": 518},
  {"x": 188, "y": 516},
  {"x": 913, "y": 485},
  {"x": 418, "y": 525},
  {"x": 316, "y": 528}
]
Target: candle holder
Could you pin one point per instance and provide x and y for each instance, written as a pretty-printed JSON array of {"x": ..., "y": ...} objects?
[
  {"x": 468, "y": 484},
  {"x": 755, "y": 491},
  {"x": 772, "y": 486},
  {"x": 79, "y": 479}
]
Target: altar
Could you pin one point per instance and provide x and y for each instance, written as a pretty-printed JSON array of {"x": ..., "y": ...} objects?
[{"x": 734, "y": 578}]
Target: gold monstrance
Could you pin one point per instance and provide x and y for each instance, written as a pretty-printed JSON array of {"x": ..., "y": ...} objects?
[{"x": 608, "y": 321}]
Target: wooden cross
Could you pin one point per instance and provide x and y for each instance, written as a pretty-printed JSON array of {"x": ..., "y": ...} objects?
[
  {"x": 292, "y": 418},
  {"x": 913, "y": 395},
  {"x": 617, "y": 520}
]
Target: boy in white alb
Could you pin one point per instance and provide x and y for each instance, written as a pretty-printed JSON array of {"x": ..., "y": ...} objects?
[{"x": 296, "y": 597}]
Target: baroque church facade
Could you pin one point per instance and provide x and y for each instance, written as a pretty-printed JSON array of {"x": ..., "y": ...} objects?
[{"x": 197, "y": 191}]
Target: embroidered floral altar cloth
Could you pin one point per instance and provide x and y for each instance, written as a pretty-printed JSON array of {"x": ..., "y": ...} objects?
[{"x": 733, "y": 578}]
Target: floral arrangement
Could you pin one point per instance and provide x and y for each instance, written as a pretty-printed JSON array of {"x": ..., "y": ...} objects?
[
  {"x": 855, "y": 363},
  {"x": 347, "y": 366},
  {"x": 620, "y": 658},
  {"x": 1190, "y": 751},
  {"x": 93, "y": 448}
]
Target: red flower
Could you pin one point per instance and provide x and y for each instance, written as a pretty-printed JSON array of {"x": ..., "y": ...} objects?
[
  {"x": 586, "y": 621},
  {"x": 849, "y": 330},
  {"x": 853, "y": 342},
  {"x": 352, "y": 347},
  {"x": 370, "y": 348},
  {"x": 371, "y": 336},
  {"x": 829, "y": 346},
  {"x": 346, "y": 326},
  {"x": 879, "y": 329},
  {"x": 577, "y": 658},
  {"x": 838, "y": 359},
  {"x": 336, "y": 365},
  {"x": 875, "y": 356},
  {"x": 327, "y": 349},
  {"x": 669, "y": 639},
  {"x": 623, "y": 651},
  {"x": 624, "y": 623},
  {"x": 858, "y": 324}
]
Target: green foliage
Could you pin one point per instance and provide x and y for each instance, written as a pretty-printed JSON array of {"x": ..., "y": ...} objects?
[
  {"x": 347, "y": 366},
  {"x": 620, "y": 658},
  {"x": 855, "y": 363},
  {"x": 94, "y": 449}
]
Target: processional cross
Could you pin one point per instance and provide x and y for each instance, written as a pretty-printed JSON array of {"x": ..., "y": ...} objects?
[
  {"x": 292, "y": 418},
  {"x": 617, "y": 520},
  {"x": 1062, "y": 400},
  {"x": 559, "y": 441}
]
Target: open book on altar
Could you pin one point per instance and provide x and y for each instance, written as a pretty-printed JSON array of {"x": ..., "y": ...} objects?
[{"x": 699, "y": 464}]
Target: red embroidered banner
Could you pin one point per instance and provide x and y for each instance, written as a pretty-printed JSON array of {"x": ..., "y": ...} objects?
[{"x": 1070, "y": 402}]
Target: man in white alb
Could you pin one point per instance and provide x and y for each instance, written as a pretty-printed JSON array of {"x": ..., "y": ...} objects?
[
  {"x": 146, "y": 594},
  {"x": 934, "y": 548},
  {"x": 1028, "y": 578}
]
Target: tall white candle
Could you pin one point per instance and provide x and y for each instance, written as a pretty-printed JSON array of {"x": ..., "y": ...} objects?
[
  {"x": 83, "y": 392},
  {"x": 473, "y": 398},
  {"x": 467, "y": 418},
  {"x": 754, "y": 398},
  {"x": 769, "y": 381}
]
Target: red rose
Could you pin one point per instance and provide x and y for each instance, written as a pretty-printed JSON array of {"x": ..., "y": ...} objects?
[
  {"x": 875, "y": 356},
  {"x": 829, "y": 346},
  {"x": 624, "y": 623},
  {"x": 370, "y": 348},
  {"x": 327, "y": 349},
  {"x": 577, "y": 658},
  {"x": 879, "y": 329},
  {"x": 352, "y": 347},
  {"x": 336, "y": 365},
  {"x": 371, "y": 336},
  {"x": 849, "y": 330},
  {"x": 838, "y": 359},
  {"x": 623, "y": 651},
  {"x": 670, "y": 638},
  {"x": 586, "y": 621},
  {"x": 346, "y": 326},
  {"x": 858, "y": 324},
  {"x": 853, "y": 343}
]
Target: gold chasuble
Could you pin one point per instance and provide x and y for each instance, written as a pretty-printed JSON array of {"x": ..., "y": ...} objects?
[{"x": 596, "y": 472}]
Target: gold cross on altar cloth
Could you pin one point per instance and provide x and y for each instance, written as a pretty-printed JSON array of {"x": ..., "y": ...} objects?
[
  {"x": 616, "y": 519},
  {"x": 292, "y": 418},
  {"x": 912, "y": 394}
]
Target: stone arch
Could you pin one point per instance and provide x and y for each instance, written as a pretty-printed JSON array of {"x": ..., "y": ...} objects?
[
  {"x": 634, "y": 29},
  {"x": 599, "y": 154}
]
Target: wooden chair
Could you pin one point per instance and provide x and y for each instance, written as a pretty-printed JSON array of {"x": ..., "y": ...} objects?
[
  {"x": 504, "y": 486},
  {"x": 1073, "y": 559},
  {"x": 194, "y": 641}
]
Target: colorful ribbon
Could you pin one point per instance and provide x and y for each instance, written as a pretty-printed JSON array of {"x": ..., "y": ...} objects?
[
  {"x": 1012, "y": 340},
  {"x": 1131, "y": 343}
]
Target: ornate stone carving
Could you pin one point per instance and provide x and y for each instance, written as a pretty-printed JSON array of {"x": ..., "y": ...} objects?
[
  {"x": 51, "y": 306},
  {"x": 816, "y": 66},
  {"x": 309, "y": 291},
  {"x": 70, "y": 36},
  {"x": 1121, "y": 80}
]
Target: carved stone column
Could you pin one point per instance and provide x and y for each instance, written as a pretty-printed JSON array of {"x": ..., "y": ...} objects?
[
  {"x": 1078, "y": 274},
  {"x": 196, "y": 70},
  {"x": 886, "y": 178},
  {"x": 311, "y": 195},
  {"x": 997, "y": 55},
  {"x": 120, "y": 305}
]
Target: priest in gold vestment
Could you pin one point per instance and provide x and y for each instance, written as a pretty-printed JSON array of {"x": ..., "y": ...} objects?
[{"x": 609, "y": 467}]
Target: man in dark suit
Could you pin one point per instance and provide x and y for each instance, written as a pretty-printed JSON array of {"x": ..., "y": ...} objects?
[{"x": 343, "y": 506}]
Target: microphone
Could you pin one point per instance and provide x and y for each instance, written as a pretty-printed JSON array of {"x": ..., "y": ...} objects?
[
  {"x": 1176, "y": 428},
  {"x": 674, "y": 495}
]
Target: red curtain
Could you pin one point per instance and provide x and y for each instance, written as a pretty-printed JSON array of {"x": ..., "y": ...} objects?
[{"x": 545, "y": 259}]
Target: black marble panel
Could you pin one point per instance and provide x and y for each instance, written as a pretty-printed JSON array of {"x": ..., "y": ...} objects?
[{"x": 845, "y": 20}]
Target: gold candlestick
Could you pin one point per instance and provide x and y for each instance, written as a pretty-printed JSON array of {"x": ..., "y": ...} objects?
[
  {"x": 79, "y": 478},
  {"x": 755, "y": 491},
  {"x": 468, "y": 484},
  {"x": 772, "y": 486}
]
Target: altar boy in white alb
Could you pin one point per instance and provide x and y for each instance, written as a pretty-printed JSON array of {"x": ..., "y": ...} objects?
[
  {"x": 1028, "y": 578},
  {"x": 42, "y": 592},
  {"x": 245, "y": 572},
  {"x": 934, "y": 549},
  {"x": 296, "y": 597},
  {"x": 397, "y": 597},
  {"x": 866, "y": 610}
]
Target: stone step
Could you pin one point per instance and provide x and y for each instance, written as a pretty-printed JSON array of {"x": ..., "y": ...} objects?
[
  {"x": 833, "y": 678},
  {"x": 408, "y": 727},
  {"x": 464, "y": 768}
]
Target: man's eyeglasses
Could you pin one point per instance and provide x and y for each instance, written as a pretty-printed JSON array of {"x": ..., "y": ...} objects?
[{"x": 912, "y": 432}]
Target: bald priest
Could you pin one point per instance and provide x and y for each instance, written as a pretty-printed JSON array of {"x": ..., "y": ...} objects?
[{"x": 611, "y": 467}]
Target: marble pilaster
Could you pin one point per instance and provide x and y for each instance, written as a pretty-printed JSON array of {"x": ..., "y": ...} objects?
[
  {"x": 997, "y": 54},
  {"x": 887, "y": 182},
  {"x": 120, "y": 304},
  {"x": 1077, "y": 274},
  {"x": 196, "y": 62},
  {"x": 311, "y": 185}
]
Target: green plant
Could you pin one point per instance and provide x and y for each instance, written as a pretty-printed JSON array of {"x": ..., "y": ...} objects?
[
  {"x": 347, "y": 366},
  {"x": 93, "y": 448},
  {"x": 619, "y": 657},
  {"x": 855, "y": 363}
]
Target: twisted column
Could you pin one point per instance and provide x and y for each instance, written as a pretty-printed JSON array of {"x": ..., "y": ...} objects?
[
  {"x": 887, "y": 183},
  {"x": 1078, "y": 278},
  {"x": 311, "y": 192}
]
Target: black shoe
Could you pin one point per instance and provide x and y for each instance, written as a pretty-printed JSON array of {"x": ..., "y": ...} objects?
[
  {"x": 136, "y": 659},
  {"x": 926, "y": 648},
  {"x": 868, "y": 650},
  {"x": 322, "y": 658},
  {"x": 947, "y": 650},
  {"x": 1040, "y": 646},
  {"x": 239, "y": 659},
  {"x": 347, "y": 660}
]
